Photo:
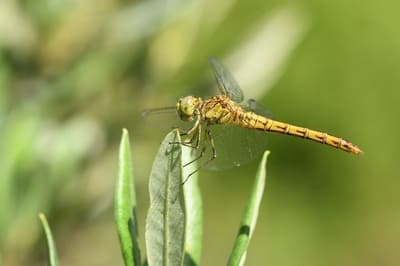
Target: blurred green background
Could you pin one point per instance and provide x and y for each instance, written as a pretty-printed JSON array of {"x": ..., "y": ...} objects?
[{"x": 74, "y": 73}]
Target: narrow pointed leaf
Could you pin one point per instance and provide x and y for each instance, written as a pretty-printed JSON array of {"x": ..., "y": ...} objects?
[
  {"x": 249, "y": 218},
  {"x": 125, "y": 205},
  {"x": 53, "y": 258},
  {"x": 165, "y": 232},
  {"x": 193, "y": 211}
]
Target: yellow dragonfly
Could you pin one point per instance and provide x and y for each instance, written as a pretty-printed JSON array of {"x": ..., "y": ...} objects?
[{"x": 228, "y": 108}]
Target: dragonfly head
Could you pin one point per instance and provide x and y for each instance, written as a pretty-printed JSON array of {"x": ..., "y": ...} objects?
[{"x": 187, "y": 108}]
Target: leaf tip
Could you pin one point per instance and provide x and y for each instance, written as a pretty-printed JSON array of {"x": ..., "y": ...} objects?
[
  {"x": 42, "y": 217},
  {"x": 125, "y": 132},
  {"x": 265, "y": 155}
]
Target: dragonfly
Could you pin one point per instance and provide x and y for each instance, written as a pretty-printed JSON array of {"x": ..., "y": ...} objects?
[{"x": 228, "y": 108}]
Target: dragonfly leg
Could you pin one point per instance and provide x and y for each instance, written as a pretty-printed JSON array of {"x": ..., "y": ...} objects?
[
  {"x": 197, "y": 158},
  {"x": 189, "y": 175},
  {"x": 182, "y": 132},
  {"x": 214, "y": 154},
  {"x": 194, "y": 136},
  {"x": 197, "y": 146},
  {"x": 187, "y": 143},
  {"x": 195, "y": 126},
  {"x": 193, "y": 142},
  {"x": 214, "y": 151},
  {"x": 198, "y": 136},
  {"x": 183, "y": 143},
  {"x": 203, "y": 150}
]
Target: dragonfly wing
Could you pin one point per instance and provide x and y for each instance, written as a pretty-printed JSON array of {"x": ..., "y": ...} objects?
[
  {"x": 226, "y": 83},
  {"x": 253, "y": 106},
  {"x": 235, "y": 146}
]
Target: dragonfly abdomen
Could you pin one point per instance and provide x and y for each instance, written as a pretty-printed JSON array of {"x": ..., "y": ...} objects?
[{"x": 254, "y": 121}]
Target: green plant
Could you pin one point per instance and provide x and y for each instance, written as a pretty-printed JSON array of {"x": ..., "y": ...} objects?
[
  {"x": 174, "y": 220},
  {"x": 51, "y": 245}
]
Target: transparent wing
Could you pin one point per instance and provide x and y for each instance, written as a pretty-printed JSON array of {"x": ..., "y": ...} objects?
[
  {"x": 253, "y": 106},
  {"x": 226, "y": 83},
  {"x": 234, "y": 146}
]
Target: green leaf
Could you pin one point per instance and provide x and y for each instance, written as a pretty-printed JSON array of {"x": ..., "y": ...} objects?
[
  {"x": 51, "y": 245},
  {"x": 125, "y": 205},
  {"x": 193, "y": 211},
  {"x": 165, "y": 232},
  {"x": 249, "y": 218}
]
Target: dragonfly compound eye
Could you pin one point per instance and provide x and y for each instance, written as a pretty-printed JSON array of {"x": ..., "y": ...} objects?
[{"x": 186, "y": 108}]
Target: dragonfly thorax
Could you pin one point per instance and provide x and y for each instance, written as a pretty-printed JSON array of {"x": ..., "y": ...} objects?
[{"x": 188, "y": 107}]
